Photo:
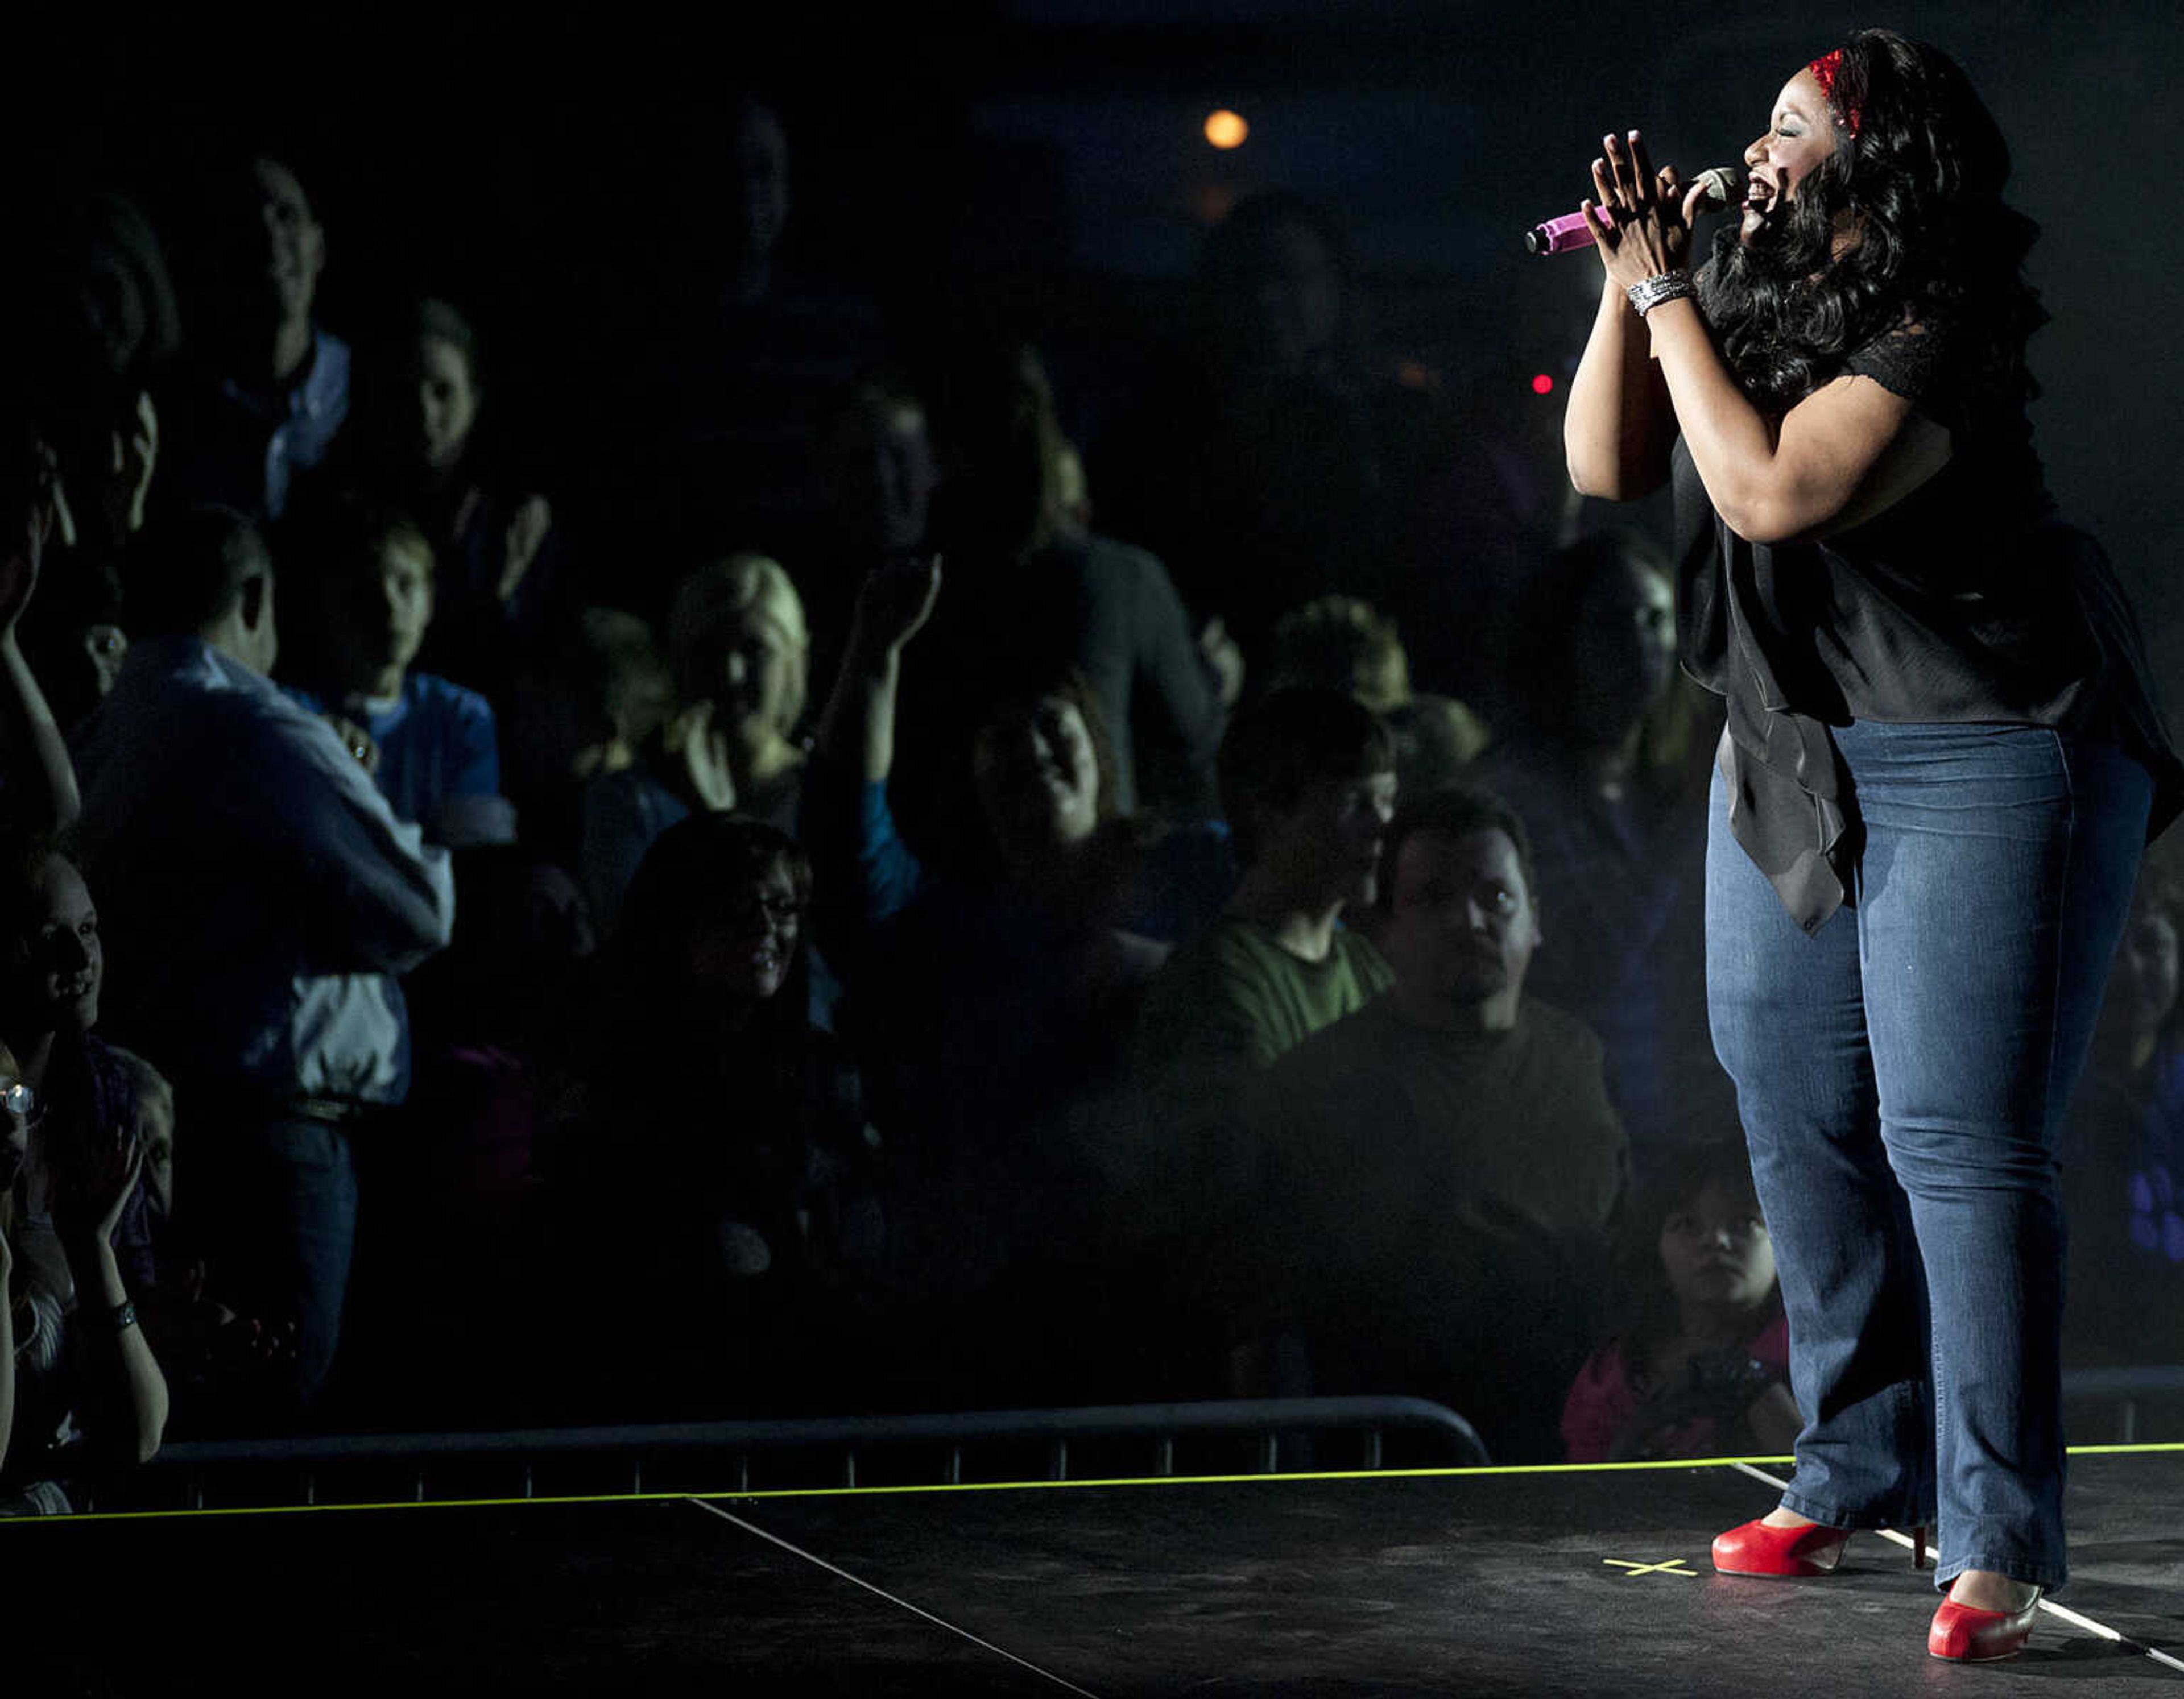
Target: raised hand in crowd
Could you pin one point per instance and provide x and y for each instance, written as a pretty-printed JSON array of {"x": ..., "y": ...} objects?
[
  {"x": 893, "y": 605},
  {"x": 1224, "y": 657},
  {"x": 527, "y": 535},
  {"x": 699, "y": 750},
  {"x": 92, "y": 1184},
  {"x": 127, "y": 482},
  {"x": 30, "y": 737}
]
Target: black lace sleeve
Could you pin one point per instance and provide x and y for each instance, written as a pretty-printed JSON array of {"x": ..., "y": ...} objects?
[{"x": 1910, "y": 361}]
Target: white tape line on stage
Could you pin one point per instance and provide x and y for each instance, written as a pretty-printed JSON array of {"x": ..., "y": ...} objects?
[
  {"x": 833, "y": 1569},
  {"x": 2063, "y": 1612}
]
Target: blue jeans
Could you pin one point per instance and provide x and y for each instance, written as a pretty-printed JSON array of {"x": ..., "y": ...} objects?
[
  {"x": 1901, "y": 1076},
  {"x": 275, "y": 1209}
]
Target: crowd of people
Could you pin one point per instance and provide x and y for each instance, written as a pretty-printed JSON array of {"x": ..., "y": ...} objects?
[{"x": 904, "y": 911}]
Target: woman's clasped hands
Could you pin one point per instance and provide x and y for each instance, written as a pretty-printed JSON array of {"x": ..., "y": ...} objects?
[{"x": 1647, "y": 231}]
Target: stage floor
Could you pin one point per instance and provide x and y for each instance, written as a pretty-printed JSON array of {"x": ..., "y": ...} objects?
[{"x": 1469, "y": 1582}]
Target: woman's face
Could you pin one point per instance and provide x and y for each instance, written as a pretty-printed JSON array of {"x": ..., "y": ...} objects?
[
  {"x": 1716, "y": 1253},
  {"x": 2144, "y": 987},
  {"x": 1038, "y": 775},
  {"x": 447, "y": 402},
  {"x": 59, "y": 958},
  {"x": 741, "y": 942},
  {"x": 1800, "y": 136},
  {"x": 761, "y": 682}
]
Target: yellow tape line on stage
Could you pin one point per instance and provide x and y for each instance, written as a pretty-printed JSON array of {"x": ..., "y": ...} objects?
[{"x": 753, "y": 1495}]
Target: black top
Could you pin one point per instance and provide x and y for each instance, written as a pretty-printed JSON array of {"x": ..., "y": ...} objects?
[{"x": 1967, "y": 601}]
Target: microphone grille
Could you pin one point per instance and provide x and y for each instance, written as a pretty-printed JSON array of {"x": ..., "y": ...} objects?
[{"x": 1721, "y": 184}]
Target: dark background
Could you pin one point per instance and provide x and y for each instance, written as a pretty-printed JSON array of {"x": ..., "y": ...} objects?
[{"x": 552, "y": 168}]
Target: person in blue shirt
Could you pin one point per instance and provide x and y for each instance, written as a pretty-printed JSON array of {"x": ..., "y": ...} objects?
[
  {"x": 270, "y": 387},
  {"x": 365, "y": 604}
]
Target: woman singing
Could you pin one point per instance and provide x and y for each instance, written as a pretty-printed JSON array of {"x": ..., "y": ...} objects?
[{"x": 1938, "y": 725}]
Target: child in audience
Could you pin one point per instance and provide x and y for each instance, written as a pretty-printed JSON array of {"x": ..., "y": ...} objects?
[{"x": 1700, "y": 1368}]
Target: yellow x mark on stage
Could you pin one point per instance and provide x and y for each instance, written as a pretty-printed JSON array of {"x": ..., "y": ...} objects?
[{"x": 1674, "y": 1566}]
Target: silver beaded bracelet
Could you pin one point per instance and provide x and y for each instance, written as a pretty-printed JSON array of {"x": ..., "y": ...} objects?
[{"x": 1667, "y": 285}]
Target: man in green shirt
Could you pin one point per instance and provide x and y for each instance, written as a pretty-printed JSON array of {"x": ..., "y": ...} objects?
[{"x": 1437, "y": 1174}]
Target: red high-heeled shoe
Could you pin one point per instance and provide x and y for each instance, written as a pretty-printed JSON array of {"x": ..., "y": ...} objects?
[
  {"x": 1964, "y": 1634},
  {"x": 1758, "y": 1549}
]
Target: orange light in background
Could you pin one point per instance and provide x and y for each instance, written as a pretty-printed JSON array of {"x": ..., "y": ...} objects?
[
  {"x": 1225, "y": 129},
  {"x": 1543, "y": 385}
]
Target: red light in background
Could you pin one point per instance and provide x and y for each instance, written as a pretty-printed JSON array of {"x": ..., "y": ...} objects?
[{"x": 1543, "y": 385}]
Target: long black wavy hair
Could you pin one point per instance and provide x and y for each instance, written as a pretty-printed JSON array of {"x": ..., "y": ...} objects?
[{"x": 1938, "y": 249}]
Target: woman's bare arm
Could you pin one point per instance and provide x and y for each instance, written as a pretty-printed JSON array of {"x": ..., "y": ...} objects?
[
  {"x": 1619, "y": 426},
  {"x": 1849, "y": 450}
]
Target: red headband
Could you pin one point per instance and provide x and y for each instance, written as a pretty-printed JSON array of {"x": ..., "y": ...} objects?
[{"x": 1824, "y": 70}]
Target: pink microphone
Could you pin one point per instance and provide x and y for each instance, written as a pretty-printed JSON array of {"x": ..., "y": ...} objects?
[{"x": 1565, "y": 234}]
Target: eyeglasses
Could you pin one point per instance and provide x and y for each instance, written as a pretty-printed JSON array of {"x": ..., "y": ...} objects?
[{"x": 19, "y": 1099}]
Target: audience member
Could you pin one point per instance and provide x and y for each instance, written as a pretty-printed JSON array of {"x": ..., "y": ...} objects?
[
  {"x": 207, "y": 792},
  {"x": 99, "y": 332},
  {"x": 880, "y": 472},
  {"x": 1033, "y": 593},
  {"x": 2122, "y": 1155},
  {"x": 1701, "y": 1366},
  {"x": 103, "y": 300},
  {"x": 1605, "y": 766},
  {"x": 681, "y": 767},
  {"x": 502, "y": 592},
  {"x": 1271, "y": 464},
  {"x": 360, "y": 615},
  {"x": 1307, "y": 787},
  {"x": 217, "y": 1361},
  {"x": 1338, "y": 643},
  {"x": 270, "y": 387},
  {"x": 610, "y": 697},
  {"x": 1437, "y": 738},
  {"x": 51, "y": 971},
  {"x": 730, "y": 360},
  {"x": 721, "y": 1175},
  {"x": 1442, "y": 1169},
  {"x": 72, "y": 1354},
  {"x": 737, "y": 639},
  {"x": 38, "y": 789},
  {"x": 738, "y": 659},
  {"x": 991, "y": 995}
]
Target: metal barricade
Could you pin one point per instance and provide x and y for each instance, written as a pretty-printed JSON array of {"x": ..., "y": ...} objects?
[
  {"x": 2125, "y": 1406},
  {"x": 809, "y": 1454}
]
